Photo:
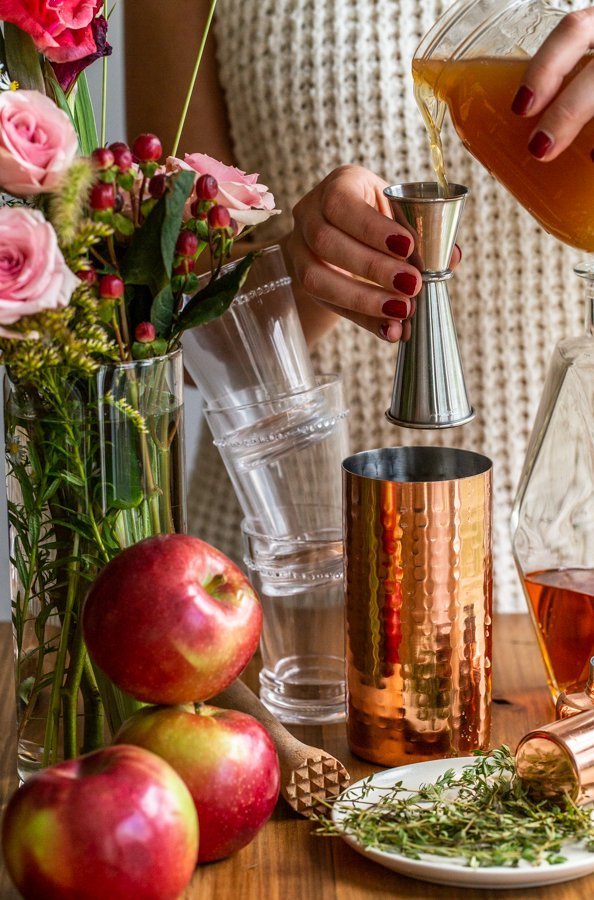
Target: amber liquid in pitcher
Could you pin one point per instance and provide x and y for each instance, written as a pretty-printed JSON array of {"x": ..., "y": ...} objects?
[
  {"x": 563, "y": 604},
  {"x": 479, "y": 94}
]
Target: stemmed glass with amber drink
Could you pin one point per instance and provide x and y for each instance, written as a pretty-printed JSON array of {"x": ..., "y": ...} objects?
[{"x": 470, "y": 64}]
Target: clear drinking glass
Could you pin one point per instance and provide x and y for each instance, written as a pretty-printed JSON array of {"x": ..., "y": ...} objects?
[
  {"x": 286, "y": 452},
  {"x": 299, "y": 579},
  {"x": 256, "y": 350}
]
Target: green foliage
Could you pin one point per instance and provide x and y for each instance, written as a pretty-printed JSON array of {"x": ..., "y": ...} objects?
[
  {"x": 215, "y": 298},
  {"x": 149, "y": 258},
  {"x": 84, "y": 116},
  {"x": 483, "y": 815},
  {"x": 22, "y": 59}
]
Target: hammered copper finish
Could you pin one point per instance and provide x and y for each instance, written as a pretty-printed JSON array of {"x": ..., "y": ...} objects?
[{"x": 418, "y": 588}]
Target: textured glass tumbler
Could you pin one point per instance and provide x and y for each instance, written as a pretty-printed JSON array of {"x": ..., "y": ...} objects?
[
  {"x": 300, "y": 582},
  {"x": 256, "y": 350},
  {"x": 417, "y": 532},
  {"x": 286, "y": 452}
]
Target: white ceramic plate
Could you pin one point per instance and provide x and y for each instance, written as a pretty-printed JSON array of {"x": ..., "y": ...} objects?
[{"x": 451, "y": 871}]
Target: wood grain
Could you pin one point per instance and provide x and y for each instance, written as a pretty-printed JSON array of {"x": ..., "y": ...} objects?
[{"x": 287, "y": 861}]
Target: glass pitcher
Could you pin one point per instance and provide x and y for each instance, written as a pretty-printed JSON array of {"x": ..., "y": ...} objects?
[
  {"x": 472, "y": 62},
  {"x": 553, "y": 514}
]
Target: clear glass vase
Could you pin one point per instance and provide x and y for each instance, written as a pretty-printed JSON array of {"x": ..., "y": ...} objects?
[
  {"x": 553, "y": 513},
  {"x": 92, "y": 467}
]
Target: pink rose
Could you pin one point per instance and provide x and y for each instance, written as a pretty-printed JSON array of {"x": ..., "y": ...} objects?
[
  {"x": 33, "y": 273},
  {"x": 61, "y": 29},
  {"x": 37, "y": 143},
  {"x": 248, "y": 202}
]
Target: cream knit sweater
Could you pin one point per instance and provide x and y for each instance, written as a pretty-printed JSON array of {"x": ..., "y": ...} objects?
[{"x": 312, "y": 84}]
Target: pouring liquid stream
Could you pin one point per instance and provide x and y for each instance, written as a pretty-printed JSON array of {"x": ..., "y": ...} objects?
[
  {"x": 478, "y": 93},
  {"x": 433, "y": 112}
]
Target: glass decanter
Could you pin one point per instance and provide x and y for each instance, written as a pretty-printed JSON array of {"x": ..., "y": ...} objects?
[{"x": 553, "y": 513}]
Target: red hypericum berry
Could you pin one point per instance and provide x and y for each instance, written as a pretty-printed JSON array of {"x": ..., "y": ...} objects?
[
  {"x": 102, "y": 157},
  {"x": 111, "y": 287},
  {"x": 122, "y": 155},
  {"x": 206, "y": 187},
  {"x": 218, "y": 216},
  {"x": 187, "y": 243},
  {"x": 183, "y": 267},
  {"x": 147, "y": 148},
  {"x": 234, "y": 226},
  {"x": 197, "y": 210},
  {"x": 145, "y": 333},
  {"x": 102, "y": 196},
  {"x": 157, "y": 185},
  {"x": 88, "y": 275}
]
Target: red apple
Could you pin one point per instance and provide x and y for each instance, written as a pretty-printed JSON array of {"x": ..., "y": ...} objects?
[
  {"x": 227, "y": 760},
  {"x": 172, "y": 620},
  {"x": 118, "y": 823}
]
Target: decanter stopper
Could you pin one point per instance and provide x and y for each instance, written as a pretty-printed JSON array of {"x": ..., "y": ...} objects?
[
  {"x": 429, "y": 389},
  {"x": 577, "y": 699}
]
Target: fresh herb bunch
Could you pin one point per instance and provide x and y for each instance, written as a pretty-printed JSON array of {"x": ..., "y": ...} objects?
[{"x": 483, "y": 815}]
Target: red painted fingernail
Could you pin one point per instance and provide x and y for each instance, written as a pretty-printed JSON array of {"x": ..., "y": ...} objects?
[
  {"x": 399, "y": 244},
  {"x": 540, "y": 144},
  {"x": 396, "y": 309},
  {"x": 384, "y": 329},
  {"x": 523, "y": 100},
  {"x": 405, "y": 283}
]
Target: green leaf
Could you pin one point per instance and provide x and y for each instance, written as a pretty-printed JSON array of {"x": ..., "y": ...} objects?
[
  {"x": 215, "y": 298},
  {"x": 149, "y": 258},
  {"x": 56, "y": 93},
  {"x": 162, "y": 311},
  {"x": 84, "y": 117},
  {"x": 123, "y": 224},
  {"x": 22, "y": 59}
]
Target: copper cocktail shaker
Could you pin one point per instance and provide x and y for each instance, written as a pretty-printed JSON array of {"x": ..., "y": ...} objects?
[{"x": 417, "y": 529}]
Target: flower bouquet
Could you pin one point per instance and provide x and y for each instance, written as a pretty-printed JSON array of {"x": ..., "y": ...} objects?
[{"x": 98, "y": 250}]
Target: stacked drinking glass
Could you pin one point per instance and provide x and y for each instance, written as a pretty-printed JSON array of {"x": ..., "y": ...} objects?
[{"x": 282, "y": 433}]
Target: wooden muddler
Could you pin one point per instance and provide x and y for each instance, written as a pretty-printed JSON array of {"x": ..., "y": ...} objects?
[{"x": 310, "y": 777}]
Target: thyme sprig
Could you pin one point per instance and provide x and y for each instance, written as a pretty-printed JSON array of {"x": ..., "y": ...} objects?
[{"x": 482, "y": 815}]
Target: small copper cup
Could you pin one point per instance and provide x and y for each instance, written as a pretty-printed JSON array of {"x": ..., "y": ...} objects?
[
  {"x": 418, "y": 586},
  {"x": 558, "y": 759}
]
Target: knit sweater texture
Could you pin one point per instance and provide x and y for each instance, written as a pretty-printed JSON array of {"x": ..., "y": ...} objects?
[{"x": 313, "y": 84}]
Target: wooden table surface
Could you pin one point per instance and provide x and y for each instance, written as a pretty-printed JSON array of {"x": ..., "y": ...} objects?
[{"x": 286, "y": 861}]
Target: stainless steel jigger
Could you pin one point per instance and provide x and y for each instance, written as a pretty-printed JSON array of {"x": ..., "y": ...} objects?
[{"x": 429, "y": 389}]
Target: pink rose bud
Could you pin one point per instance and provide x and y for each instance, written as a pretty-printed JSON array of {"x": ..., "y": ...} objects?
[
  {"x": 218, "y": 216},
  {"x": 248, "y": 201},
  {"x": 145, "y": 333},
  {"x": 147, "y": 148},
  {"x": 111, "y": 287}
]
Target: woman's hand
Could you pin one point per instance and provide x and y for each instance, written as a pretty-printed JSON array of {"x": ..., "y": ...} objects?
[
  {"x": 347, "y": 253},
  {"x": 573, "y": 107}
]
